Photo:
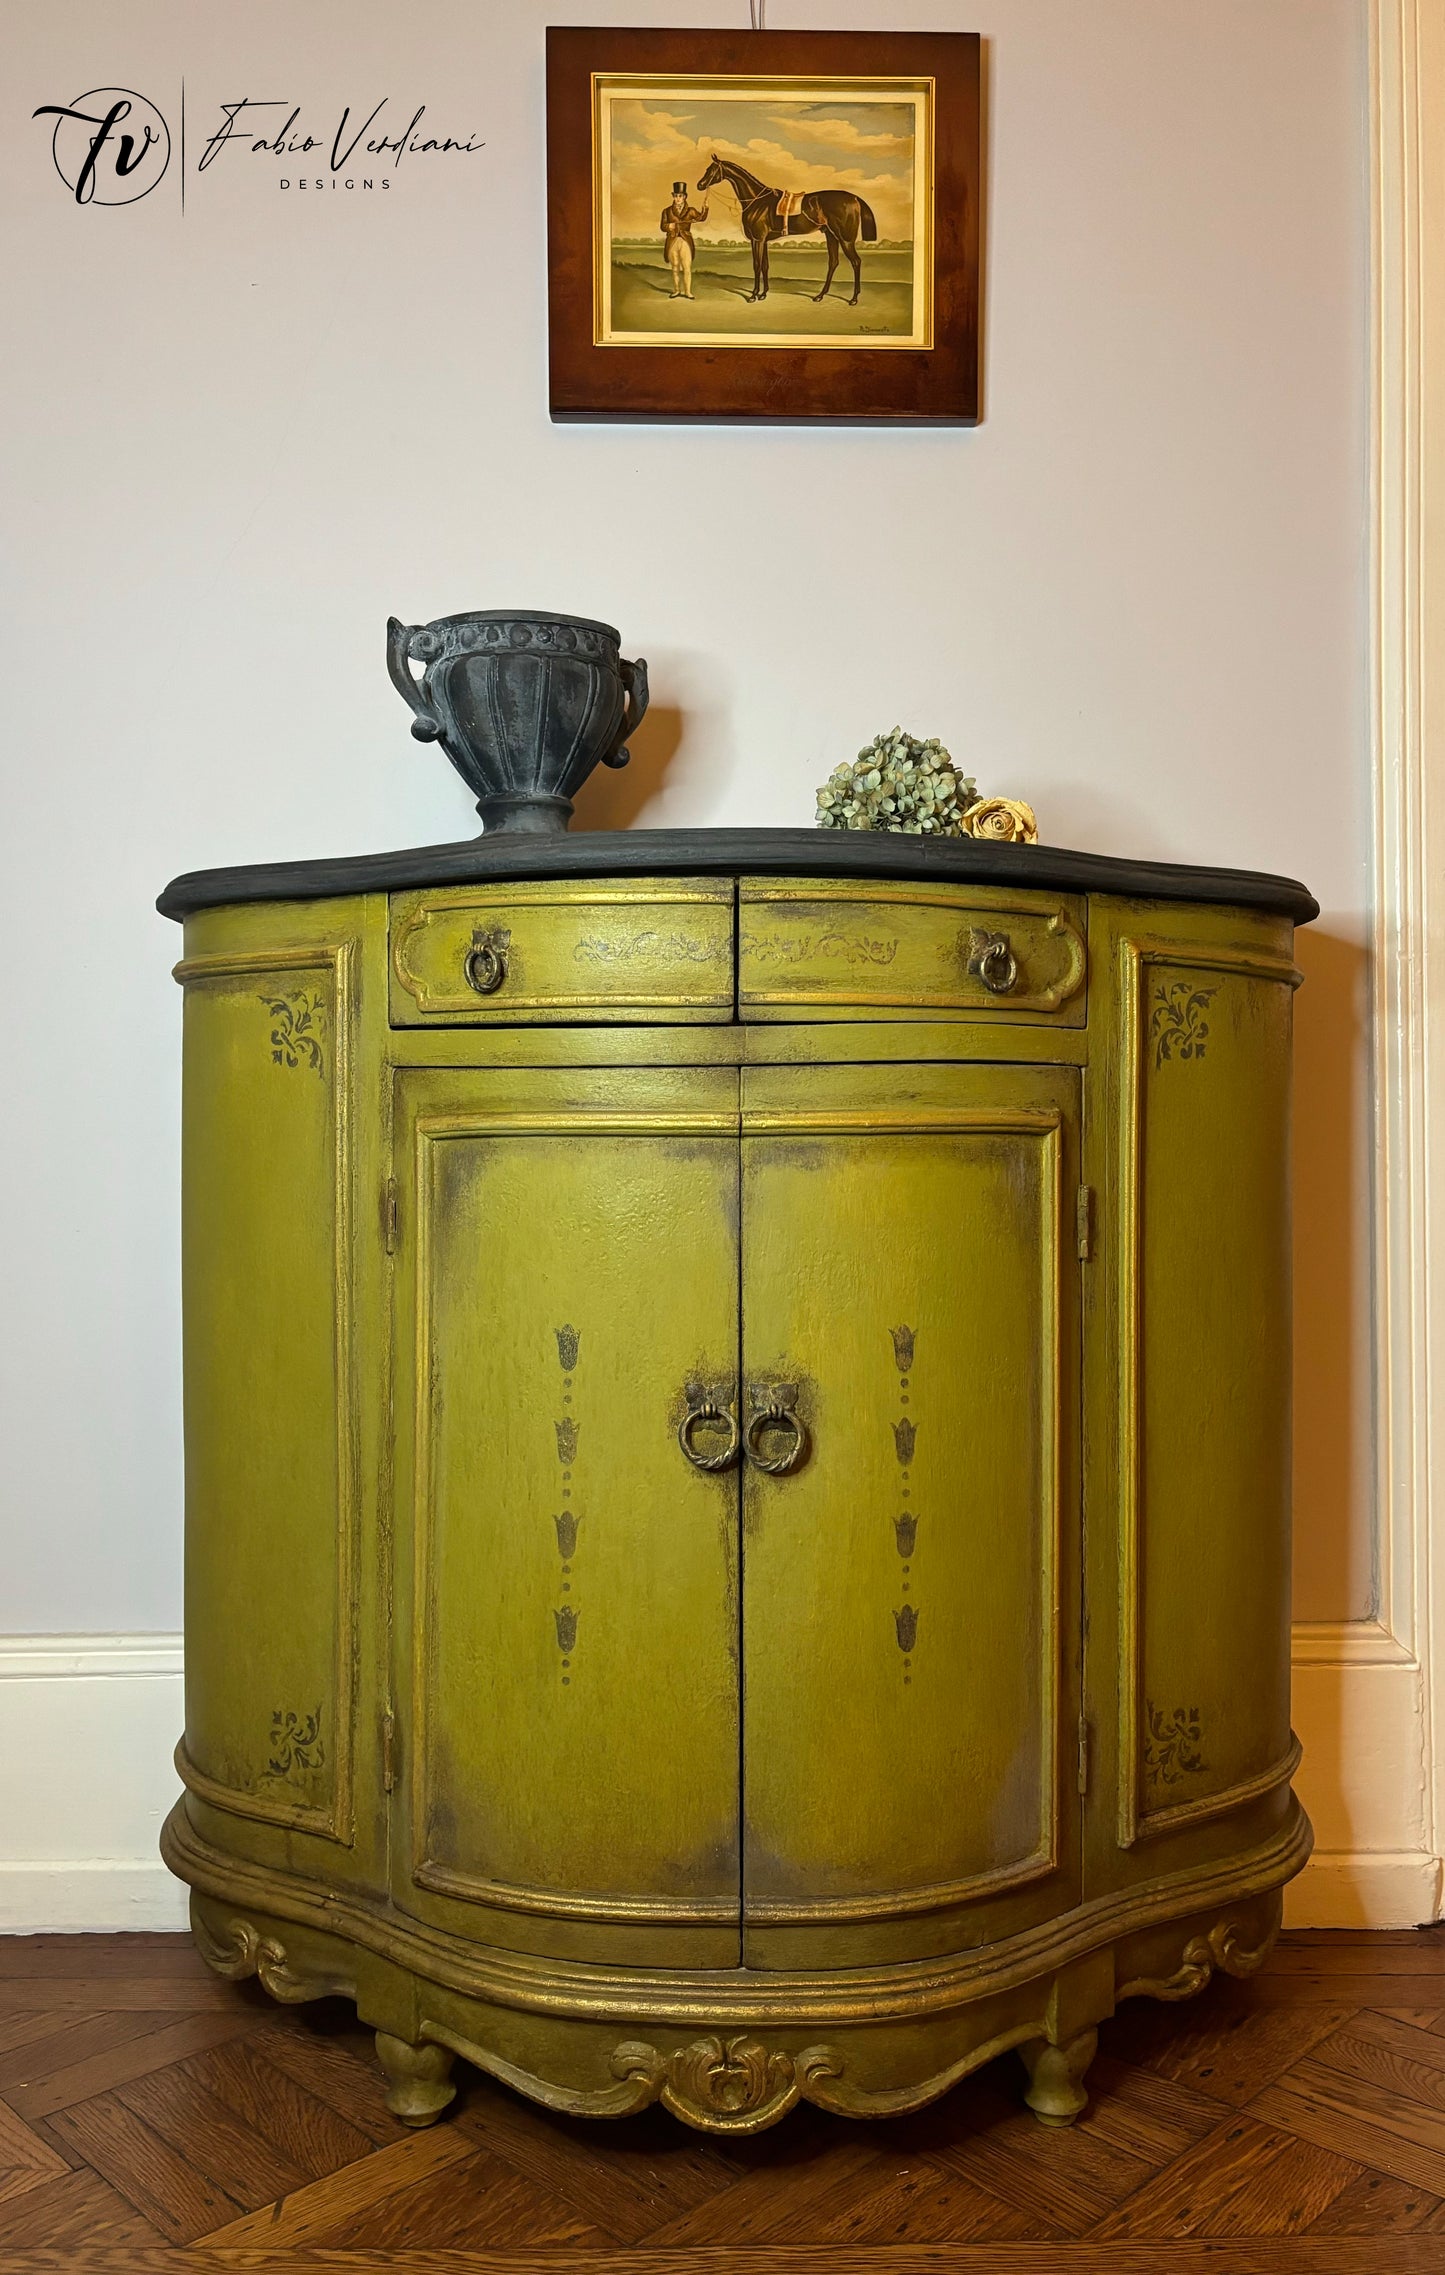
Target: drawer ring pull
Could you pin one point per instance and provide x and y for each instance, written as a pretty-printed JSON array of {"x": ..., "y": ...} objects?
[
  {"x": 486, "y": 961},
  {"x": 778, "y": 1414},
  {"x": 991, "y": 959},
  {"x": 709, "y": 1412}
]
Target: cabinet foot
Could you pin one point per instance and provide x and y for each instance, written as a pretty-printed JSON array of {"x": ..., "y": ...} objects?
[
  {"x": 418, "y": 2079},
  {"x": 1056, "y": 2094}
]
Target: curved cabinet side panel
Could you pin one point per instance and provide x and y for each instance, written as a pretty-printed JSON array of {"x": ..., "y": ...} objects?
[
  {"x": 1205, "y": 1376},
  {"x": 270, "y": 1405}
]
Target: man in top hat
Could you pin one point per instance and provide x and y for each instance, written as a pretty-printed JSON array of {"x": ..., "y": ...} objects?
[{"x": 676, "y": 225}]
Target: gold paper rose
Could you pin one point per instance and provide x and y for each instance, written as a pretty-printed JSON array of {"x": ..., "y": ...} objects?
[{"x": 1003, "y": 821}]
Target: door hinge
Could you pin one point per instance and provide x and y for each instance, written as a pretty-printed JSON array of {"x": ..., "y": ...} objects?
[
  {"x": 388, "y": 1752},
  {"x": 390, "y": 1215},
  {"x": 1083, "y": 1755},
  {"x": 1084, "y": 1221}
]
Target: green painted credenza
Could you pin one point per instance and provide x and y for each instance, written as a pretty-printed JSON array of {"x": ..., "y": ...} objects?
[{"x": 737, "y": 1455}]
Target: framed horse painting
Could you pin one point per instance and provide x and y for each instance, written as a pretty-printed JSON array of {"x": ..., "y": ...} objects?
[{"x": 763, "y": 225}]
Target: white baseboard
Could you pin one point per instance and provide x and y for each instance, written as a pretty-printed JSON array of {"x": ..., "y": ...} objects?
[
  {"x": 87, "y": 1727},
  {"x": 1359, "y": 1711},
  {"x": 1377, "y": 1890},
  {"x": 88, "y": 1722}
]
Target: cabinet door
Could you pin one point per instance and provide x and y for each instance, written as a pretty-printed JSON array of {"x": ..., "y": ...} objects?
[
  {"x": 569, "y": 1724},
  {"x": 910, "y": 1559}
]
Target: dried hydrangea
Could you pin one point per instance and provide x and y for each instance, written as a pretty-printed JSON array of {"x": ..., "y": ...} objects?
[{"x": 898, "y": 783}]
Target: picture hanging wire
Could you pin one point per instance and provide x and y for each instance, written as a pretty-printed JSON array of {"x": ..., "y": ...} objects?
[{"x": 757, "y": 10}]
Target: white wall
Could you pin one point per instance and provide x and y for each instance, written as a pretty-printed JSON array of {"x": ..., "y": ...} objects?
[{"x": 236, "y": 441}]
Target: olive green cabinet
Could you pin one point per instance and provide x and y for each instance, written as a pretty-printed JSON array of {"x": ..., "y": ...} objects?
[{"x": 737, "y": 1465}]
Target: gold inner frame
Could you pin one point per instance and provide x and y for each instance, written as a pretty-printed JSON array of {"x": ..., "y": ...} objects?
[{"x": 610, "y": 86}]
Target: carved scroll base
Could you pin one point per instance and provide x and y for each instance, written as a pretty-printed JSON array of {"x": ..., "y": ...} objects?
[
  {"x": 721, "y": 2075},
  {"x": 240, "y": 1949},
  {"x": 1227, "y": 1946}
]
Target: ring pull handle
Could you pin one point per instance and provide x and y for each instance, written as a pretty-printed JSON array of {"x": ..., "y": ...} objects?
[
  {"x": 776, "y": 1410},
  {"x": 992, "y": 960},
  {"x": 702, "y": 1409},
  {"x": 486, "y": 960}
]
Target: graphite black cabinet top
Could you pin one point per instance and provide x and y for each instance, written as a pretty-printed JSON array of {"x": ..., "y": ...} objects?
[{"x": 507, "y": 857}]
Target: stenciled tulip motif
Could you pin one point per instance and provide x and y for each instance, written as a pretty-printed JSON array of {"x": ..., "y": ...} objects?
[
  {"x": 905, "y": 1525},
  {"x": 906, "y": 1622}
]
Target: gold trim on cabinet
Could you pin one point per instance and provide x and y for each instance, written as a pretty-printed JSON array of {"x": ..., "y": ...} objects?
[
  {"x": 581, "y": 1121},
  {"x": 1171, "y": 1819},
  {"x": 917, "y": 1121},
  {"x": 337, "y": 960},
  {"x": 646, "y": 891},
  {"x": 466, "y": 1888},
  {"x": 965, "y": 900},
  {"x": 711, "y": 1998},
  {"x": 1136, "y": 953}
]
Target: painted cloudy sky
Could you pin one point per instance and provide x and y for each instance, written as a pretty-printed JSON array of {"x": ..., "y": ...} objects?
[{"x": 867, "y": 147}]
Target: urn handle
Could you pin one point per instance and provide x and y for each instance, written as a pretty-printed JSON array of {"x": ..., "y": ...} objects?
[
  {"x": 425, "y": 726},
  {"x": 634, "y": 681}
]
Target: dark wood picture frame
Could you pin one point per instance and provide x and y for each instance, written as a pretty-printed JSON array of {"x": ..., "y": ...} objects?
[{"x": 932, "y": 383}]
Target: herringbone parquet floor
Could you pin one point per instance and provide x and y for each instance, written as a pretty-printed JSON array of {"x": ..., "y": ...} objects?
[{"x": 154, "y": 2118}]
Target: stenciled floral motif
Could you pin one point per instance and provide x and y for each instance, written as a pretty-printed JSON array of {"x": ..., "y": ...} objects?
[
  {"x": 1178, "y": 1027},
  {"x": 296, "y": 1036},
  {"x": 1171, "y": 1749},
  {"x": 568, "y": 1341},
  {"x": 651, "y": 947},
  {"x": 904, "y": 1437},
  {"x": 824, "y": 947},
  {"x": 903, "y": 1338},
  {"x": 566, "y": 1441},
  {"x": 567, "y": 1522},
  {"x": 906, "y": 1529},
  {"x": 906, "y": 1622},
  {"x": 296, "y": 1742},
  {"x": 566, "y": 1620}
]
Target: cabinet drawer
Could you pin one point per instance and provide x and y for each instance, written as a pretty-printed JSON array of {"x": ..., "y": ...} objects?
[
  {"x": 814, "y": 950},
  {"x": 491, "y": 955}
]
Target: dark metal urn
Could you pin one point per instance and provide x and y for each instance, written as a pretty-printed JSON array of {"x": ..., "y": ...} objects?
[{"x": 524, "y": 705}]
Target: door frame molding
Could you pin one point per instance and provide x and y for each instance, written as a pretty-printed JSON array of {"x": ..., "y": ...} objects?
[{"x": 1374, "y": 1689}]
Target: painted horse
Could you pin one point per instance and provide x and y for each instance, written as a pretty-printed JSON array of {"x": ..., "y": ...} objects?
[{"x": 767, "y": 213}]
